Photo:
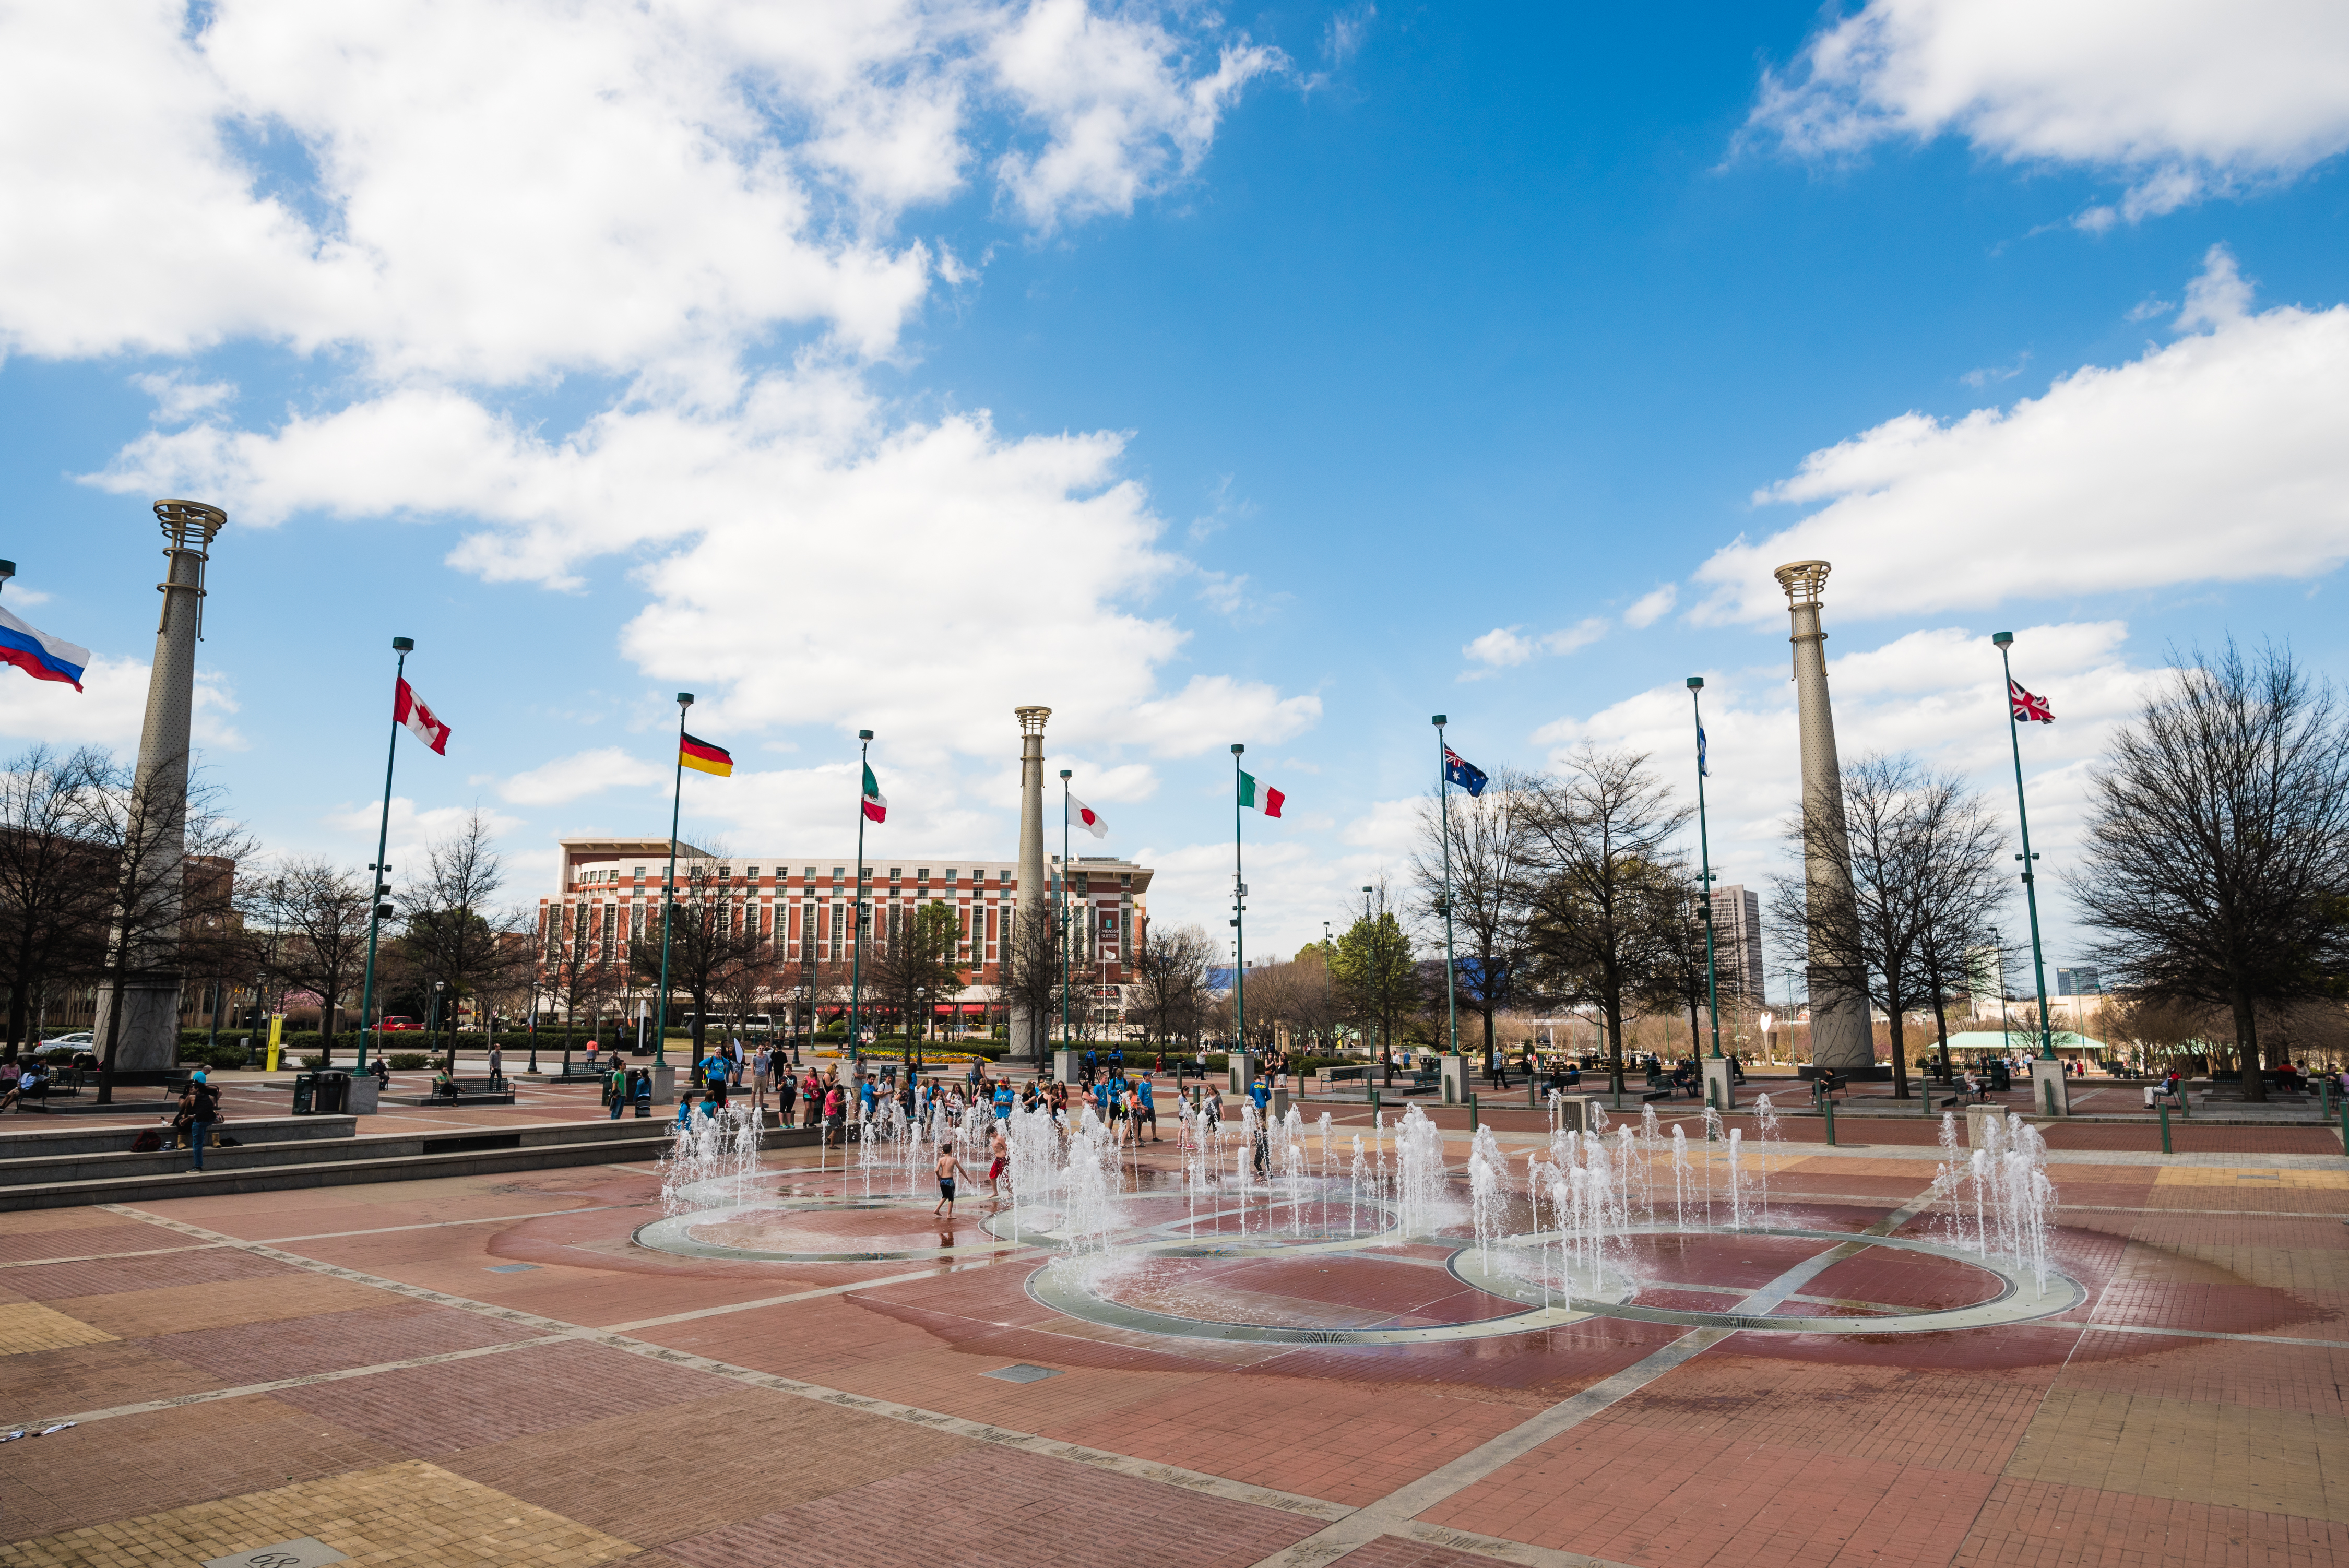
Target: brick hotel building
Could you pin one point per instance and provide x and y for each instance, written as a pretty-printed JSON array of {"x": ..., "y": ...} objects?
[{"x": 802, "y": 910}]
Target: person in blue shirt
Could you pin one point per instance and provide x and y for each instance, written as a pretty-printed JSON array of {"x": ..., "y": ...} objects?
[
  {"x": 715, "y": 1070},
  {"x": 868, "y": 1097},
  {"x": 1262, "y": 1094},
  {"x": 1149, "y": 1110},
  {"x": 1004, "y": 1100}
]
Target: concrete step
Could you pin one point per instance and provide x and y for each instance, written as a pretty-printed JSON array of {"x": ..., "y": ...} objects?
[
  {"x": 264, "y": 1168},
  {"x": 52, "y": 1143}
]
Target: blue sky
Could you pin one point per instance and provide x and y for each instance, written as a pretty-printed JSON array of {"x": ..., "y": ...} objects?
[{"x": 1281, "y": 375}]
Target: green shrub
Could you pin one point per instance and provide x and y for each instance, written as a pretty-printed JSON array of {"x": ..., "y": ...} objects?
[
  {"x": 314, "y": 1062},
  {"x": 407, "y": 1062}
]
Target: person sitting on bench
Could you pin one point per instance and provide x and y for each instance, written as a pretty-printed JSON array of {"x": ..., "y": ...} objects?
[{"x": 443, "y": 1086}]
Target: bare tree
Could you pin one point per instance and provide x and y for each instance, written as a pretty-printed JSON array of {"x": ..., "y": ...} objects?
[
  {"x": 1030, "y": 969},
  {"x": 166, "y": 842},
  {"x": 918, "y": 963},
  {"x": 1490, "y": 868},
  {"x": 1676, "y": 978},
  {"x": 1601, "y": 835},
  {"x": 454, "y": 929},
  {"x": 1171, "y": 979},
  {"x": 55, "y": 877},
  {"x": 1959, "y": 896},
  {"x": 710, "y": 938},
  {"x": 323, "y": 917},
  {"x": 1874, "y": 932},
  {"x": 2218, "y": 843}
]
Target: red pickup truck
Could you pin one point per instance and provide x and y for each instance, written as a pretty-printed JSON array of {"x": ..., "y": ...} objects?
[{"x": 394, "y": 1025}]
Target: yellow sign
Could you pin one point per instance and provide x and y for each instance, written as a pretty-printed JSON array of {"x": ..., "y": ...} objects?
[{"x": 276, "y": 1025}]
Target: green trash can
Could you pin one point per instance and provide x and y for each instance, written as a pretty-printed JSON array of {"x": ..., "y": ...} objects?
[
  {"x": 330, "y": 1093},
  {"x": 305, "y": 1086}
]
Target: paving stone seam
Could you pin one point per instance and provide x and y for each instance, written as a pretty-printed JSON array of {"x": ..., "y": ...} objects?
[
  {"x": 560, "y": 1331},
  {"x": 443, "y": 1224},
  {"x": 108, "y": 1257},
  {"x": 1458, "y": 1540}
]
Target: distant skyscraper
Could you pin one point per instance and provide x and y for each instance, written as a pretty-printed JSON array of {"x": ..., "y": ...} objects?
[
  {"x": 2077, "y": 983},
  {"x": 1737, "y": 941}
]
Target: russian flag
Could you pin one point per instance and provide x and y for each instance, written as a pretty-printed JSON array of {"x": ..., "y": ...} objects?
[{"x": 38, "y": 655}]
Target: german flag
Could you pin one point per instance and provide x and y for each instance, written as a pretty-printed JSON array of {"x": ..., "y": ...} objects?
[{"x": 702, "y": 755}]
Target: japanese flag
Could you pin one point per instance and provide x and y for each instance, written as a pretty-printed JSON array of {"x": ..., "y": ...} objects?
[
  {"x": 1083, "y": 816},
  {"x": 408, "y": 708}
]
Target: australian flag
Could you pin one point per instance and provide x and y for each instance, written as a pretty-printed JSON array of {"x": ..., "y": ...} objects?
[{"x": 1463, "y": 772}]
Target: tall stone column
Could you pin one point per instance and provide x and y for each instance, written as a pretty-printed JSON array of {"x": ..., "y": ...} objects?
[
  {"x": 1841, "y": 1034},
  {"x": 153, "y": 875},
  {"x": 1028, "y": 1030}
]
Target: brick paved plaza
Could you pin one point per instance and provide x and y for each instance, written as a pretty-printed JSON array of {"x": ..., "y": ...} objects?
[{"x": 491, "y": 1370}]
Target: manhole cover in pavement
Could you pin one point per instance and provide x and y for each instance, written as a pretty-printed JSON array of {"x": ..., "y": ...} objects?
[
  {"x": 307, "y": 1552},
  {"x": 1023, "y": 1373}
]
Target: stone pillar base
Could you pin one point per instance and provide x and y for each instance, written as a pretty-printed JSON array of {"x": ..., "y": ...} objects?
[
  {"x": 1242, "y": 1071},
  {"x": 1453, "y": 1075},
  {"x": 2051, "y": 1090},
  {"x": 149, "y": 1039},
  {"x": 1720, "y": 1083},
  {"x": 1978, "y": 1119},
  {"x": 1574, "y": 1112}
]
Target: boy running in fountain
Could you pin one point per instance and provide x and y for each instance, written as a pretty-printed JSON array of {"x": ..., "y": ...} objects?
[
  {"x": 948, "y": 1168},
  {"x": 998, "y": 1151}
]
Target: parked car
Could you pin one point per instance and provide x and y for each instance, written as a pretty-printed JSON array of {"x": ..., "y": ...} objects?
[
  {"x": 80, "y": 1039},
  {"x": 398, "y": 1025}
]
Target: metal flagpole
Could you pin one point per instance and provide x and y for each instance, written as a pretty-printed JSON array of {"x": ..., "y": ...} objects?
[
  {"x": 2029, "y": 883},
  {"x": 403, "y": 646},
  {"x": 1443, "y": 800},
  {"x": 1240, "y": 913},
  {"x": 1705, "y": 862},
  {"x": 669, "y": 888},
  {"x": 856, "y": 958},
  {"x": 1068, "y": 1042}
]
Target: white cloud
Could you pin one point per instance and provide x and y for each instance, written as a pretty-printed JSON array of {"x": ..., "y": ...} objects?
[
  {"x": 110, "y": 707},
  {"x": 178, "y": 399},
  {"x": 2222, "y": 456},
  {"x": 531, "y": 870},
  {"x": 1992, "y": 374},
  {"x": 1651, "y": 606},
  {"x": 1125, "y": 110},
  {"x": 1503, "y": 647},
  {"x": 574, "y": 777},
  {"x": 498, "y": 190},
  {"x": 2180, "y": 99}
]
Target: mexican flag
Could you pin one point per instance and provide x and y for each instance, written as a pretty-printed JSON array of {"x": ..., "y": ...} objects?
[
  {"x": 876, "y": 804},
  {"x": 1261, "y": 798}
]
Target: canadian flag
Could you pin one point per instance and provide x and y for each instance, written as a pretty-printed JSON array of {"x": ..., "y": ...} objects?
[
  {"x": 1083, "y": 816},
  {"x": 408, "y": 708}
]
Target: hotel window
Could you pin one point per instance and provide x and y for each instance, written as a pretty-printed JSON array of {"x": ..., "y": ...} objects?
[
  {"x": 751, "y": 871},
  {"x": 640, "y": 873},
  {"x": 724, "y": 873},
  {"x": 811, "y": 873}
]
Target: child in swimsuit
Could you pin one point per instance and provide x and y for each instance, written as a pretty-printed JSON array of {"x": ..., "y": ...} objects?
[{"x": 948, "y": 1168}]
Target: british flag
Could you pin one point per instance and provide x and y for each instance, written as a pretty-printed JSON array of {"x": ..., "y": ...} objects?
[{"x": 2027, "y": 708}]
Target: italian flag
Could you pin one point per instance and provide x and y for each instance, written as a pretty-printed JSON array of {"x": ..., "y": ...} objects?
[
  {"x": 1261, "y": 798},
  {"x": 876, "y": 804}
]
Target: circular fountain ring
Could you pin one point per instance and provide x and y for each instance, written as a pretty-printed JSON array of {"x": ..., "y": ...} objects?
[
  {"x": 674, "y": 1234},
  {"x": 2018, "y": 1299}
]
